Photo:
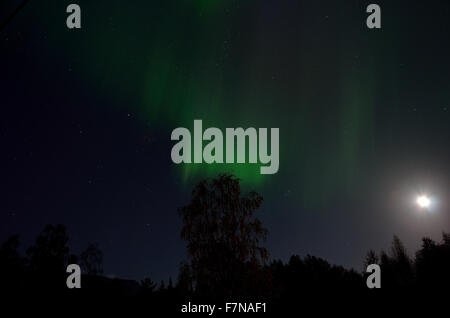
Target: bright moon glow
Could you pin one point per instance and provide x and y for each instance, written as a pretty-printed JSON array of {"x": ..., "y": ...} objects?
[{"x": 423, "y": 201}]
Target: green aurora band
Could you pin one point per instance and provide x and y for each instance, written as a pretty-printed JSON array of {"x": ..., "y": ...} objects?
[{"x": 215, "y": 61}]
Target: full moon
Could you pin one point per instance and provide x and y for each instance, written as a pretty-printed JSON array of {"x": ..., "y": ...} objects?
[{"x": 423, "y": 201}]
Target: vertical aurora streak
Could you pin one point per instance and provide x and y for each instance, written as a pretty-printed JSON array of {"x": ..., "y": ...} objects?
[{"x": 225, "y": 63}]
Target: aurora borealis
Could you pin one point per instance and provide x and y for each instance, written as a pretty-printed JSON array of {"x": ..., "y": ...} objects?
[{"x": 87, "y": 116}]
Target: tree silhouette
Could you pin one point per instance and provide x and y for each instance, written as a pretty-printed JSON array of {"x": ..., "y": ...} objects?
[
  {"x": 50, "y": 250},
  {"x": 223, "y": 237},
  {"x": 148, "y": 287},
  {"x": 12, "y": 265},
  {"x": 397, "y": 267},
  {"x": 92, "y": 260},
  {"x": 185, "y": 280},
  {"x": 310, "y": 276},
  {"x": 371, "y": 258},
  {"x": 48, "y": 257},
  {"x": 432, "y": 263}
]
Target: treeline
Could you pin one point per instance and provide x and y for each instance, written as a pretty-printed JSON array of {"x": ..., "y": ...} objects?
[
  {"x": 226, "y": 260},
  {"x": 43, "y": 267}
]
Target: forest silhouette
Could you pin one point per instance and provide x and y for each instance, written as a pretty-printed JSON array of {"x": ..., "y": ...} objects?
[{"x": 227, "y": 260}]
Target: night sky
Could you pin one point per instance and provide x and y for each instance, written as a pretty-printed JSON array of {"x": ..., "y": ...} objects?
[{"x": 86, "y": 118}]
